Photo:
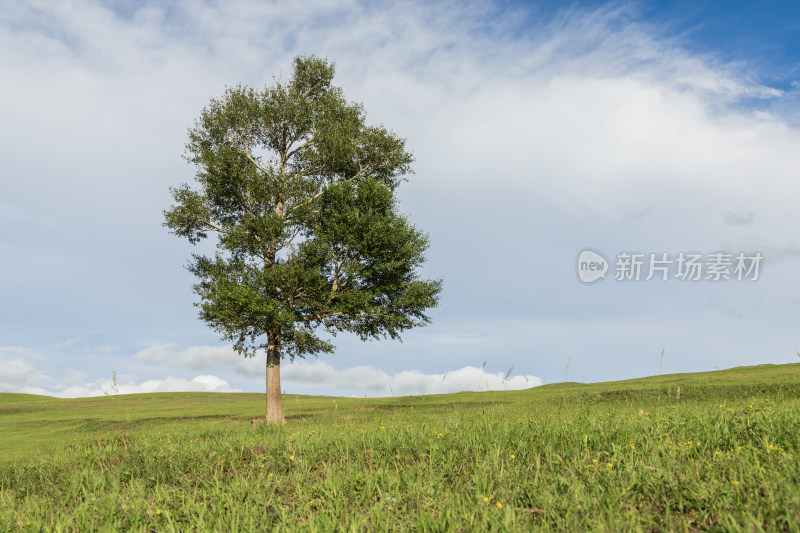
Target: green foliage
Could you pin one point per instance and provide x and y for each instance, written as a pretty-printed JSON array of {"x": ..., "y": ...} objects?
[
  {"x": 625, "y": 456},
  {"x": 301, "y": 192}
]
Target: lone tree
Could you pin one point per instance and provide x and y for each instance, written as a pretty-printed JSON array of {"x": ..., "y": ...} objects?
[{"x": 302, "y": 194}]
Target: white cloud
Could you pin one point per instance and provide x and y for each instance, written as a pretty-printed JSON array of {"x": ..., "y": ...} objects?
[
  {"x": 207, "y": 356},
  {"x": 319, "y": 374},
  {"x": 158, "y": 354},
  {"x": 598, "y": 102},
  {"x": 408, "y": 382},
  {"x": 18, "y": 375},
  {"x": 197, "y": 357},
  {"x": 20, "y": 352},
  {"x": 203, "y": 383},
  {"x": 74, "y": 377}
]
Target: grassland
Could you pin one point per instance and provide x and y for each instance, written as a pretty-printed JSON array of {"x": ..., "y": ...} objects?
[{"x": 622, "y": 456}]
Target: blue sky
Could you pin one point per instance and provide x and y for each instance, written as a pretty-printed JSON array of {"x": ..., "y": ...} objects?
[{"x": 539, "y": 130}]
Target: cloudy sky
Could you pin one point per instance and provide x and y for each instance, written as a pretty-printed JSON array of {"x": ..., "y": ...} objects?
[{"x": 538, "y": 130}]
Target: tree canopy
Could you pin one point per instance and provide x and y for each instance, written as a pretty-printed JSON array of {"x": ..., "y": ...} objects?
[{"x": 302, "y": 194}]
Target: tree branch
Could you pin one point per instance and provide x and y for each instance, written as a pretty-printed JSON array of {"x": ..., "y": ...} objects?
[
  {"x": 304, "y": 145},
  {"x": 321, "y": 317},
  {"x": 359, "y": 174}
]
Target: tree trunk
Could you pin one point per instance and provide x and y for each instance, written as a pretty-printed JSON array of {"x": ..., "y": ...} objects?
[{"x": 274, "y": 399}]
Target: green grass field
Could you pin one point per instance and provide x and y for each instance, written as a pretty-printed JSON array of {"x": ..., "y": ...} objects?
[{"x": 621, "y": 456}]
